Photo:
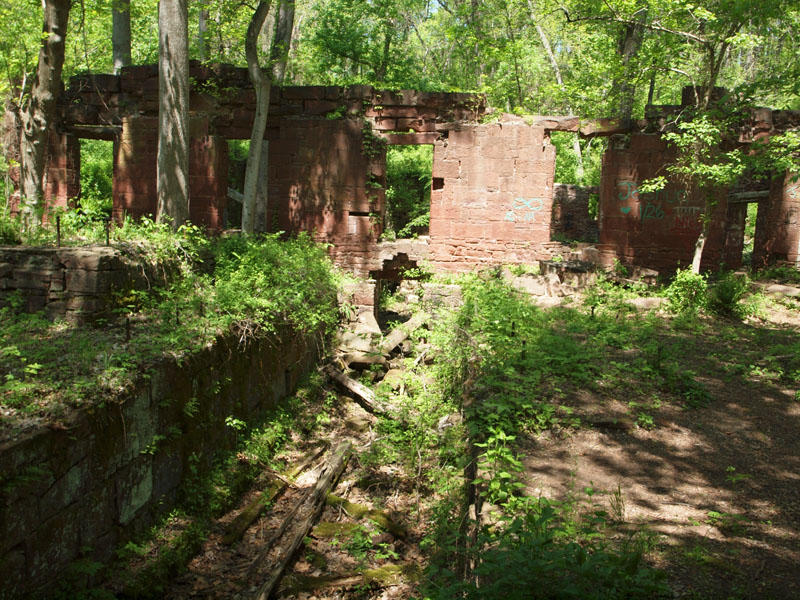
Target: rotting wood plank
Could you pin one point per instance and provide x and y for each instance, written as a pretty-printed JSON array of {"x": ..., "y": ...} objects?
[
  {"x": 254, "y": 509},
  {"x": 361, "y": 393},
  {"x": 301, "y": 519},
  {"x": 400, "y": 333}
]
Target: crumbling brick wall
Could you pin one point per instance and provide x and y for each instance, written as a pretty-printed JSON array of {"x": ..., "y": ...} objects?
[
  {"x": 492, "y": 196},
  {"x": 659, "y": 230}
]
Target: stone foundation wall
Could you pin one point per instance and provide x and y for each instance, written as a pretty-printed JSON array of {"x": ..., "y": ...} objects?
[
  {"x": 76, "y": 284},
  {"x": 81, "y": 490}
]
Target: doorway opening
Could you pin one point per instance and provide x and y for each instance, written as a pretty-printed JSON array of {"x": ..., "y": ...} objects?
[{"x": 97, "y": 172}]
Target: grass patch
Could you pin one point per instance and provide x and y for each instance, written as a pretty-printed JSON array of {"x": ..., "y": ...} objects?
[{"x": 253, "y": 287}]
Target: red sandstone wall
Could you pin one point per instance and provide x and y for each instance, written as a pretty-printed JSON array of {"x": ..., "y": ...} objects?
[
  {"x": 135, "y": 162},
  {"x": 659, "y": 230},
  {"x": 492, "y": 196},
  {"x": 63, "y": 178},
  {"x": 326, "y": 178},
  {"x": 778, "y": 224},
  {"x": 135, "y": 157}
]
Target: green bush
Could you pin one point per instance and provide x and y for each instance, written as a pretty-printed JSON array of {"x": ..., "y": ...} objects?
[
  {"x": 536, "y": 557},
  {"x": 687, "y": 292},
  {"x": 726, "y": 294},
  {"x": 9, "y": 231},
  {"x": 266, "y": 282}
]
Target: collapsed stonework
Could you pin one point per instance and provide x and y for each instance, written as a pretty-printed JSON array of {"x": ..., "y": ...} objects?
[{"x": 493, "y": 197}]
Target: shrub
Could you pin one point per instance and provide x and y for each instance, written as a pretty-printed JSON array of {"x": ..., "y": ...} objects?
[
  {"x": 726, "y": 295},
  {"x": 9, "y": 231},
  {"x": 687, "y": 292}
]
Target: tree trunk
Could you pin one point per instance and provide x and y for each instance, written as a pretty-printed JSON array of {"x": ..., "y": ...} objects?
[
  {"x": 282, "y": 41},
  {"x": 202, "y": 31},
  {"x": 173, "y": 113},
  {"x": 39, "y": 111},
  {"x": 262, "y": 83},
  {"x": 121, "y": 33},
  {"x": 576, "y": 143},
  {"x": 700, "y": 244},
  {"x": 629, "y": 44}
]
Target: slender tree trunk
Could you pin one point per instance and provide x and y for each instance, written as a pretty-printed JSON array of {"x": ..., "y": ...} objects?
[
  {"x": 629, "y": 44},
  {"x": 202, "y": 32},
  {"x": 576, "y": 143},
  {"x": 262, "y": 83},
  {"x": 282, "y": 41},
  {"x": 173, "y": 112},
  {"x": 121, "y": 33},
  {"x": 383, "y": 67},
  {"x": 39, "y": 111}
]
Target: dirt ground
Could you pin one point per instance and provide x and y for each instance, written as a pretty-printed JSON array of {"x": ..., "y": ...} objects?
[{"x": 718, "y": 487}]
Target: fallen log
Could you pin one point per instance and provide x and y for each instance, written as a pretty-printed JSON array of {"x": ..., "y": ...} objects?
[
  {"x": 400, "y": 333},
  {"x": 361, "y": 393},
  {"x": 275, "y": 486},
  {"x": 301, "y": 519},
  {"x": 391, "y": 574}
]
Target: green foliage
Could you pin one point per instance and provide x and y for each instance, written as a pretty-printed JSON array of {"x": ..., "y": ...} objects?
[
  {"x": 10, "y": 230},
  {"x": 97, "y": 163},
  {"x": 269, "y": 282},
  {"x": 408, "y": 189},
  {"x": 687, "y": 292},
  {"x": 255, "y": 287},
  {"x": 516, "y": 557},
  {"x": 567, "y": 170},
  {"x": 781, "y": 273},
  {"x": 726, "y": 295}
]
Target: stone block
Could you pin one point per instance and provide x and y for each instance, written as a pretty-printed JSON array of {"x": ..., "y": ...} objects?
[
  {"x": 66, "y": 490},
  {"x": 134, "y": 488}
]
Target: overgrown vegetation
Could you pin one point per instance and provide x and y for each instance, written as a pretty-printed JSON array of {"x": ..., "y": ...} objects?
[
  {"x": 515, "y": 371},
  {"x": 252, "y": 286}
]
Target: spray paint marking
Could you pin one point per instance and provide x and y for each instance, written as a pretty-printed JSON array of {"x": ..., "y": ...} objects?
[{"x": 524, "y": 209}]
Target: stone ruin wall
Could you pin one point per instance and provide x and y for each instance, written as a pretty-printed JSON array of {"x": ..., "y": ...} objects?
[
  {"x": 659, "y": 229},
  {"x": 492, "y": 196},
  {"x": 493, "y": 191},
  {"x": 778, "y": 224}
]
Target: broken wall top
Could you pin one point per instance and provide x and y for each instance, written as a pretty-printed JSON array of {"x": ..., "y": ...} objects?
[{"x": 225, "y": 95}]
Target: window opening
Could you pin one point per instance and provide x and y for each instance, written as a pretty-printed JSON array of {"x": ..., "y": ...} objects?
[{"x": 409, "y": 172}]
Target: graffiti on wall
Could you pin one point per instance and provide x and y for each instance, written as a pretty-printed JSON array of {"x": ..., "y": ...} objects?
[
  {"x": 524, "y": 210},
  {"x": 793, "y": 190},
  {"x": 655, "y": 206}
]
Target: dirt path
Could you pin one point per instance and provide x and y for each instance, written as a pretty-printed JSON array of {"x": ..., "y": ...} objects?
[{"x": 718, "y": 485}]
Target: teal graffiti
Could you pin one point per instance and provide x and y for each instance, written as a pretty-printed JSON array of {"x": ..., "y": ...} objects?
[
  {"x": 631, "y": 190},
  {"x": 651, "y": 211},
  {"x": 524, "y": 209}
]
